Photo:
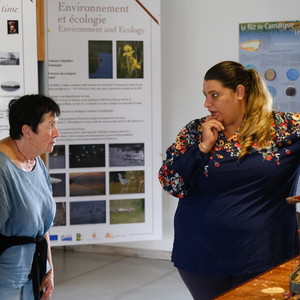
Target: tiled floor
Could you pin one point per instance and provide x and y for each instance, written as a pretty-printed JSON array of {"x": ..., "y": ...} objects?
[{"x": 89, "y": 276}]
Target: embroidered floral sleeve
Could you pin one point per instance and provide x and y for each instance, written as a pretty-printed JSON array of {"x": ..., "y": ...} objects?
[{"x": 170, "y": 180}]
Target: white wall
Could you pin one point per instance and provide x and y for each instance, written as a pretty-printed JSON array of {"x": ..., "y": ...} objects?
[{"x": 196, "y": 34}]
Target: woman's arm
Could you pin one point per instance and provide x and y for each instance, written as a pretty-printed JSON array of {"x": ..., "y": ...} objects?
[{"x": 184, "y": 162}]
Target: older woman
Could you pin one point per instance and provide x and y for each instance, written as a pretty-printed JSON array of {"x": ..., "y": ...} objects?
[
  {"x": 27, "y": 207},
  {"x": 233, "y": 171}
]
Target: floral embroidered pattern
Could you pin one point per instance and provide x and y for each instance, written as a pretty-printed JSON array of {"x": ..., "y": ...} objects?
[
  {"x": 169, "y": 179},
  {"x": 286, "y": 125}
]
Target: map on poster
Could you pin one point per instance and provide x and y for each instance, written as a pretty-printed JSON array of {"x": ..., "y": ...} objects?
[
  {"x": 18, "y": 54},
  {"x": 104, "y": 71}
]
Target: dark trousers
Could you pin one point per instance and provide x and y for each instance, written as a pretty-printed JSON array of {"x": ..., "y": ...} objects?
[{"x": 204, "y": 287}]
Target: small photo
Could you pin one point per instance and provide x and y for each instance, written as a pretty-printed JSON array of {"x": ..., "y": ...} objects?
[
  {"x": 58, "y": 182},
  {"x": 87, "y": 212},
  {"x": 12, "y": 27},
  {"x": 10, "y": 86},
  {"x": 87, "y": 156},
  {"x": 9, "y": 59},
  {"x": 126, "y": 182},
  {"x": 130, "y": 59},
  {"x": 57, "y": 158},
  {"x": 87, "y": 184},
  {"x": 100, "y": 59},
  {"x": 60, "y": 216},
  {"x": 126, "y": 155},
  {"x": 127, "y": 211}
]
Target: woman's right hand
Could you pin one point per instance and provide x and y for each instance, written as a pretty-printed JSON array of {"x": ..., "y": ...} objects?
[
  {"x": 293, "y": 199},
  {"x": 210, "y": 132}
]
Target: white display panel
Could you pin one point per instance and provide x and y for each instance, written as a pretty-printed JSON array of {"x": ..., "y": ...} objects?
[
  {"x": 104, "y": 71},
  {"x": 18, "y": 54}
]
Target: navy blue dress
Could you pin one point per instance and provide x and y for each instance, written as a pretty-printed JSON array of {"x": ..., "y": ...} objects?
[{"x": 232, "y": 216}]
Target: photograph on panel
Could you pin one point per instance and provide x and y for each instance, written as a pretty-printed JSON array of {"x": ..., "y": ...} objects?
[
  {"x": 126, "y": 211},
  {"x": 87, "y": 183},
  {"x": 57, "y": 158},
  {"x": 130, "y": 56},
  {"x": 10, "y": 86},
  {"x": 126, "y": 182},
  {"x": 87, "y": 212},
  {"x": 58, "y": 182},
  {"x": 9, "y": 59},
  {"x": 100, "y": 59},
  {"x": 61, "y": 214},
  {"x": 12, "y": 27},
  {"x": 87, "y": 156},
  {"x": 122, "y": 155}
]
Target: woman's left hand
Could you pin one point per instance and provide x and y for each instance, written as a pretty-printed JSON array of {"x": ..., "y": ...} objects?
[
  {"x": 47, "y": 285},
  {"x": 293, "y": 199}
]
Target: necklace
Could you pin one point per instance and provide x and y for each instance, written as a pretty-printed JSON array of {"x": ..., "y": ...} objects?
[{"x": 28, "y": 161}]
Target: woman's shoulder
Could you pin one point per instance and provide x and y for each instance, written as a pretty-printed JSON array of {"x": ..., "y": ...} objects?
[
  {"x": 3, "y": 158},
  {"x": 287, "y": 122},
  {"x": 5, "y": 146},
  {"x": 5, "y": 164},
  {"x": 286, "y": 117},
  {"x": 194, "y": 125},
  {"x": 5, "y": 150},
  {"x": 197, "y": 121}
]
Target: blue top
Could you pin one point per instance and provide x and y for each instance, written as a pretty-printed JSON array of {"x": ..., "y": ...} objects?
[
  {"x": 27, "y": 208},
  {"x": 232, "y": 216}
]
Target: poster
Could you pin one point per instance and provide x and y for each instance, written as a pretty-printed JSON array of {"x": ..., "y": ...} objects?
[
  {"x": 104, "y": 71},
  {"x": 273, "y": 49},
  {"x": 18, "y": 54}
]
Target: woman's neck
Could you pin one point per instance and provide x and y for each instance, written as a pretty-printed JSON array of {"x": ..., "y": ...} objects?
[
  {"x": 231, "y": 129},
  {"x": 24, "y": 160}
]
